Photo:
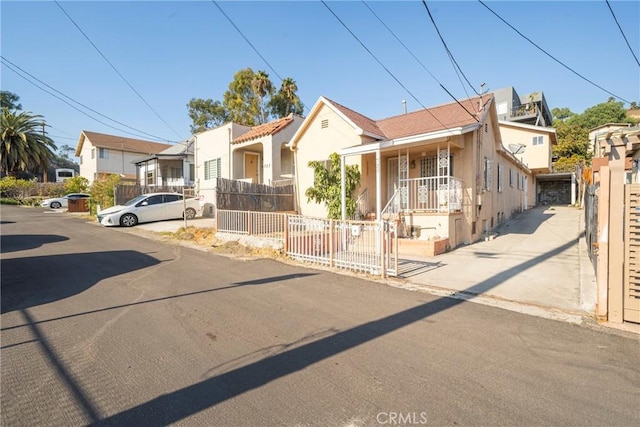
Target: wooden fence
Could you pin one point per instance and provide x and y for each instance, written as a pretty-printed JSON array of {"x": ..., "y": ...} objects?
[{"x": 244, "y": 196}]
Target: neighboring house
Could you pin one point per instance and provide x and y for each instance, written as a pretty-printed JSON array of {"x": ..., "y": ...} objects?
[
  {"x": 440, "y": 172},
  {"x": 101, "y": 154},
  {"x": 599, "y": 131},
  {"x": 173, "y": 167},
  {"x": 532, "y": 146},
  {"x": 256, "y": 154},
  {"x": 529, "y": 109},
  {"x": 262, "y": 155}
]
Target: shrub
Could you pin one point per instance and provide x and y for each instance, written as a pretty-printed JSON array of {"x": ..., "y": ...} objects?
[
  {"x": 77, "y": 184},
  {"x": 17, "y": 189},
  {"x": 102, "y": 191}
]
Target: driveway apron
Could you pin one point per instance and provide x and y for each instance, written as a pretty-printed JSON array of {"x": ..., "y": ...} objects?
[{"x": 534, "y": 258}]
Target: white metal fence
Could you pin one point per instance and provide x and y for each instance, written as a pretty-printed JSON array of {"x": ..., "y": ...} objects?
[{"x": 361, "y": 246}]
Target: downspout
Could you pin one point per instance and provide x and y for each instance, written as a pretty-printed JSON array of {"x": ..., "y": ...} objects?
[{"x": 230, "y": 151}]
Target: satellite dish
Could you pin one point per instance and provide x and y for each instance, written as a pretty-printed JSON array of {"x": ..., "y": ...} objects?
[{"x": 517, "y": 148}]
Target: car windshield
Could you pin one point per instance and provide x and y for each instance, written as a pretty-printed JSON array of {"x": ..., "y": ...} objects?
[{"x": 135, "y": 200}]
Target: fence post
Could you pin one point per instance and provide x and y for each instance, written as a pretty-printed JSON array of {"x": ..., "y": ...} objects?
[
  {"x": 331, "y": 232},
  {"x": 381, "y": 248},
  {"x": 286, "y": 233},
  {"x": 250, "y": 223}
]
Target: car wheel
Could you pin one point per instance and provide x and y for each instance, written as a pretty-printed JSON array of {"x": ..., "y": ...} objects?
[
  {"x": 56, "y": 205},
  {"x": 128, "y": 220},
  {"x": 190, "y": 213}
]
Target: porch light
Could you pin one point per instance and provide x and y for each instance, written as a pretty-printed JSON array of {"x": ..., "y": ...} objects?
[{"x": 413, "y": 164}]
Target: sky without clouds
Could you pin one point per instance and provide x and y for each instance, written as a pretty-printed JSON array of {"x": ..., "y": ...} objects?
[{"x": 172, "y": 51}]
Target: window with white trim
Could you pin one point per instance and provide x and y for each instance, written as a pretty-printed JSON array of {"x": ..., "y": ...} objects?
[
  {"x": 510, "y": 177},
  {"x": 538, "y": 140},
  {"x": 213, "y": 169},
  {"x": 93, "y": 153},
  {"x": 103, "y": 153},
  {"x": 500, "y": 178}
]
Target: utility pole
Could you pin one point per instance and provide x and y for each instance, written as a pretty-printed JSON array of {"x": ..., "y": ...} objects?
[{"x": 44, "y": 133}]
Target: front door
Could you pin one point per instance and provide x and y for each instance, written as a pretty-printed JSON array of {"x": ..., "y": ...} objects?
[
  {"x": 252, "y": 167},
  {"x": 397, "y": 175}
]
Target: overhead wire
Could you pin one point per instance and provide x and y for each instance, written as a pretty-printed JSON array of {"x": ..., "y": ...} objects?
[
  {"x": 116, "y": 70},
  {"x": 622, "y": 32},
  {"x": 255, "y": 49},
  {"x": 415, "y": 57},
  {"x": 10, "y": 67},
  {"x": 83, "y": 105},
  {"x": 387, "y": 69},
  {"x": 455, "y": 64},
  {"x": 549, "y": 55}
]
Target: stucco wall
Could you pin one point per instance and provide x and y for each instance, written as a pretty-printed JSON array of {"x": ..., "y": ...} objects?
[
  {"x": 533, "y": 156},
  {"x": 318, "y": 143}
]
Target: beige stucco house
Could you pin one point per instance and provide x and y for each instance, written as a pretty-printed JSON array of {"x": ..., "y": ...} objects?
[
  {"x": 101, "y": 154},
  {"x": 257, "y": 154},
  {"x": 440, "y": 172}
]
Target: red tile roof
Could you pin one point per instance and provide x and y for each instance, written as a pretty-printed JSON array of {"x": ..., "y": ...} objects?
[
  {"x": 266, "y": 129},
  {"x": 124, "y": 144},
  {"x": 432, "y": 119}
]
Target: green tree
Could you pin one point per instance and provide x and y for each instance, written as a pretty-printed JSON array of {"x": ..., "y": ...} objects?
[
  {"x": 24, "y": 147},
  {"x": 250, "y": 100},
  {"x": 205, "y": 114},
  {"x": 65, "y": 150},
  {"x": 561, "y": 113},
  {"x": 240, "y": 100},
  {"x": 286, "y": 101},
  {"x": 598, "y": 115},
  {"x": 262, "y": 86},
  {"x": 327, "y": 187},
  {"x": 9, "y": 100}
]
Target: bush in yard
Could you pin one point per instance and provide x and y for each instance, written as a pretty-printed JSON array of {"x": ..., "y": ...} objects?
[
  {"x": 17, "y": 189},
  {"x": 77, "y": 184},
  {"x": 102, "y": 192}
]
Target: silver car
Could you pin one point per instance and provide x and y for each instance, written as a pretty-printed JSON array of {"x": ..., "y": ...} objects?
[{"x": 148, "y": 208}]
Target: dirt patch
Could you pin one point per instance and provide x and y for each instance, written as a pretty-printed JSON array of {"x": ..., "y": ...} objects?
[{"x": 206, "y": 238}]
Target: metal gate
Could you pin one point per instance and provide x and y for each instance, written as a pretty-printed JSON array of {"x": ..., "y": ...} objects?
[{"x": 631, "y": 298}]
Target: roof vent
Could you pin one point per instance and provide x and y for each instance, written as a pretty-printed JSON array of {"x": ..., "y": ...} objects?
[{"x": 324, "y": 124}]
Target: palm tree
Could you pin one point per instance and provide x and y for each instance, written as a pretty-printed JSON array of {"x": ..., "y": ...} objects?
[
  {"x": 24, "y": 145},
  {"x": 261, "y": 85},
  {"x": 289, "y": 97}
]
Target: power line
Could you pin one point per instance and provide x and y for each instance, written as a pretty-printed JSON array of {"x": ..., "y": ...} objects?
[
  {"x": 415, "y": 57},
  {"x": 252, "y": 46},
  {"x": 456, "y": 67},
  {"x": 81, "y": 104},
  {"x": 387, "y": 70},
  {"x": 6, "y": 64},
  {"x": 622, "y": 32},
  {"x": 116, "y": 70},
  {"x": 551, "y": 56}
]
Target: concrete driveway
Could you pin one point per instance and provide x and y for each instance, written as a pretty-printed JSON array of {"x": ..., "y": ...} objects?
[{"x": 537, "y": 258}]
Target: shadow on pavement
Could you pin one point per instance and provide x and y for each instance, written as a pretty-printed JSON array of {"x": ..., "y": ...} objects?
[
  {"x": 21, "y": 242},
  {"x": 32, "y": 281}
]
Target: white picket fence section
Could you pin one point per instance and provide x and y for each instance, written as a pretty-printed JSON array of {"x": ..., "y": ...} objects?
[{"x": 360, "y": 246}]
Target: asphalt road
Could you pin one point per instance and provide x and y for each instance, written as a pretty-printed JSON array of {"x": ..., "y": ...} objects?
[{"x": 103, "y": 326}]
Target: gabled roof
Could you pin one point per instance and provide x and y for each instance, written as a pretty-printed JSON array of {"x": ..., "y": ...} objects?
[
  {"x": 266, "y": 129},
  {"x": 120, "y": 143},
  {"x": 432, "y": 119},
  {"x": 455, "y": 115},
  {"x": 363, "y": 122}
]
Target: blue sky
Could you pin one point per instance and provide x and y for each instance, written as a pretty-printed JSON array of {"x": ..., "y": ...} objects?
[{"x": 172, "y": 51}]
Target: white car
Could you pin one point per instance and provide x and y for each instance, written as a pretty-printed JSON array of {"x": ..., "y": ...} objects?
[
  {"x": 148, "y": 208},
  {"x": 62, "y": 202}
]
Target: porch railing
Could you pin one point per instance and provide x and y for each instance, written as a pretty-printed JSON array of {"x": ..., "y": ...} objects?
[{"x": 431, "y": 194}]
